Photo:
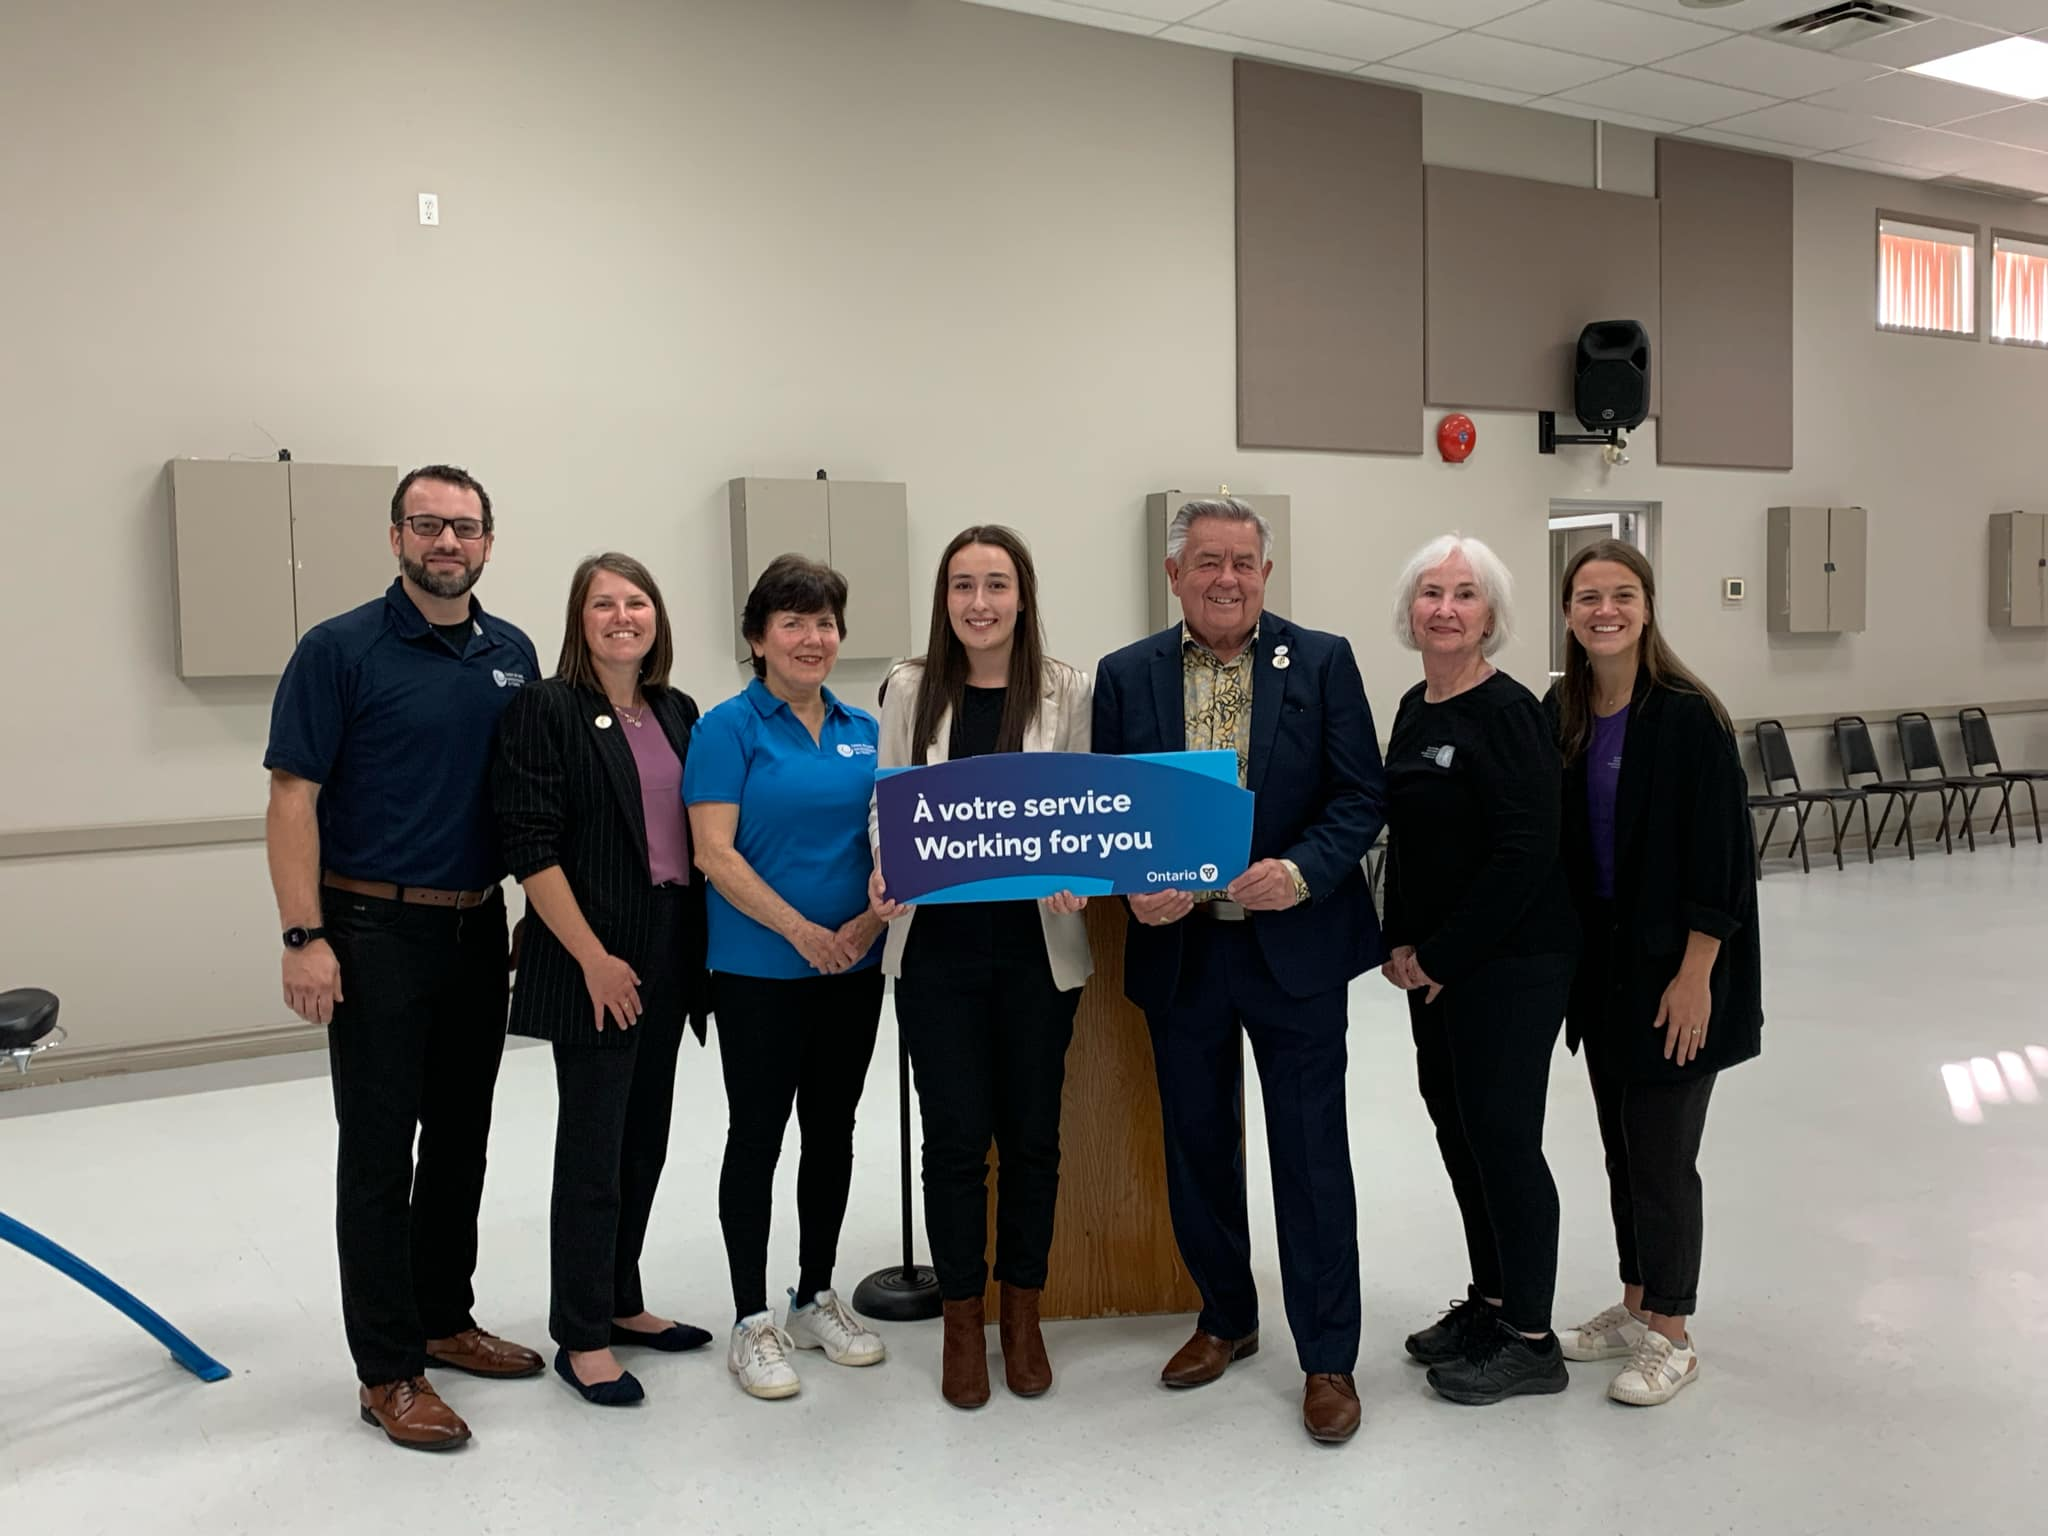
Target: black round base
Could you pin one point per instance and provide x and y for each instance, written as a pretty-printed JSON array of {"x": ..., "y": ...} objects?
[{"x": 899, "y": 1295}]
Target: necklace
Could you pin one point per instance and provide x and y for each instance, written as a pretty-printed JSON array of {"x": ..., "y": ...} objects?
[{"x": 633, "y": 717}]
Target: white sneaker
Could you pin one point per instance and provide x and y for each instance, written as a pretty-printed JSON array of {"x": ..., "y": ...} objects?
[
  {"x": 758, "y": 1356},
  {"x": 1610, "y": 1336},
  {"x": 829, "y": 1324},
  {"x": 1656, "y": 1372}
]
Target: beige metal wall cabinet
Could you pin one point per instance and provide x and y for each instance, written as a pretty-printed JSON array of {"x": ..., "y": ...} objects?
[
  {"x": 266, "y": 550},
  {"x": 2019, "y": 570},
  {"x": 341, "y": 543},
  {"x": 859, "y": 527},
  {"x": 1160, "y": 508},
  {"x": 1816, "y": 570},
  {"x": 231, "y": 534}
]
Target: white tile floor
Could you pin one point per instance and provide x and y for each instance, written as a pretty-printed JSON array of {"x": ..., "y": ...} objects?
[{"x": 1872, "y": 1340}]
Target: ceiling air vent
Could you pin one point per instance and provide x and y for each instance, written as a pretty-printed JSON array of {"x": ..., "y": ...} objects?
[{"x": 1838, "y": 26}]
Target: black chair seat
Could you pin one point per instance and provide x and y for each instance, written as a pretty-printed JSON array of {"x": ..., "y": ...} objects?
[
  {"x": 1973, "y": 781},
  {"x": 1772, "y": 802},
  {"x": 27, "y": 1014},
  {"x": 2018, "y": 773},
  {"x": 1858, "y": 793}
]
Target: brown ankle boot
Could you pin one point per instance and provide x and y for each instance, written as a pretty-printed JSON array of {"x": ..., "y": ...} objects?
[
  {"x": 963, "y": 1370},
  {"x": 1025, "y": 1366}
]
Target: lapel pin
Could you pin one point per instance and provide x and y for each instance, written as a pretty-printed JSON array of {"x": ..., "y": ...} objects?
[
  {"x": 1279, "y": 650},
  {"x": 1281, "y": 663},
  {"x": 603, "y": 722}
]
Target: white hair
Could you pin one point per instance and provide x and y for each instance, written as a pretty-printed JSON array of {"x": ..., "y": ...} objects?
[
  {"x": 1226, "y": 508},
  {"x": 1489, "y": 575}
]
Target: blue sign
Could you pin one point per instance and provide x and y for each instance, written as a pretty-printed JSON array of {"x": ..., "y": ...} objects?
[{"x": 1017, "y": 826}]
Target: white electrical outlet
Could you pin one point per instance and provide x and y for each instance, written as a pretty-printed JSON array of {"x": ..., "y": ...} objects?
[{"x": 430, "y": 208}]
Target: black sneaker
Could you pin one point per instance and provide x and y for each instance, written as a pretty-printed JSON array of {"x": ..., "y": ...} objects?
[
  {"x": 1501, "y": 1363},
  {"x": 1451, "y": 1335}
]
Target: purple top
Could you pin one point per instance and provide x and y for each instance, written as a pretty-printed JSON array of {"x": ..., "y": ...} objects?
[
  {"x": 1603, "y": 776},
  {"x": 661, "y": 798}
]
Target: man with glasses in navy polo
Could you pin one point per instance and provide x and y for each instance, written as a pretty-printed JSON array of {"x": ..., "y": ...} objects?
[{"x": 386, "y": 867}]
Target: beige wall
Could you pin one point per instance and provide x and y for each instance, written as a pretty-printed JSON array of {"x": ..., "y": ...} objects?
[{"x": 685, "y": 240}]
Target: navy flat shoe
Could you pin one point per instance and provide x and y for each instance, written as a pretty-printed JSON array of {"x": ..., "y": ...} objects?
[
  {"x": 622, "y": 1393},
  {"x": 670, "y": 1341}
]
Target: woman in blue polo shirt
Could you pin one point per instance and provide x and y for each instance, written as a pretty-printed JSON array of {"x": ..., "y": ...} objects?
[{"x": 778, "y": 781}]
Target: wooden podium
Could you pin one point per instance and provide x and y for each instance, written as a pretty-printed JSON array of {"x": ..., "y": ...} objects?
[{"x": 1113, "y": 1253}]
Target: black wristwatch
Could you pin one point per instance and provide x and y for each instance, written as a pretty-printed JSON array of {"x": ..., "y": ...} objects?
[{"x": 299, "y": 938}]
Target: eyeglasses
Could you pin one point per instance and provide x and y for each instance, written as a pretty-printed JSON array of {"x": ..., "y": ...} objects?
[{"x": 467, "y": 529}]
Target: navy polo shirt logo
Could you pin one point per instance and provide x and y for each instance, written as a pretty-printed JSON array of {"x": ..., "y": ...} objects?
[{"x": 508, "y": 679}]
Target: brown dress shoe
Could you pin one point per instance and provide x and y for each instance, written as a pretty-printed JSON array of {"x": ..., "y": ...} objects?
[
  {"x": 1202, "y": 1359},
  {"x": 484, "y": 1354},
  {"x": 1025, "y": 1366},
  {"x": 1329, "y": 1408},
  {"x": 412, "y": 1414},
  {"x": 963, "y": 1369}
]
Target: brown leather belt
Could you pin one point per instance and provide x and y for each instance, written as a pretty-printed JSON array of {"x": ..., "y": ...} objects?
[{"x": 411, "y": 895}]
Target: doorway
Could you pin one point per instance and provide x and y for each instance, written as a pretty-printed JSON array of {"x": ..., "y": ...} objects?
[{"x": 1574, "y": 525}]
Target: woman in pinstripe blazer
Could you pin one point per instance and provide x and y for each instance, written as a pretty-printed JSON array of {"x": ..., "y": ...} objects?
[{"x": 587, "y": 792}]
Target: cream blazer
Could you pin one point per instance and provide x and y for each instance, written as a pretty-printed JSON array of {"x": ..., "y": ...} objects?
[{"x": 1062, "y": 725}]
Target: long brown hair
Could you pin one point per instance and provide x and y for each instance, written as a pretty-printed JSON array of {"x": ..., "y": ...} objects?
[
  {"x": 1655, "y": 658},
  {"x": 944, "y": 683},
  {"x": 575, "y": 665}
]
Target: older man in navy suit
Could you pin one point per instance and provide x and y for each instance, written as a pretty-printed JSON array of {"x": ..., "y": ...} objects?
[{"x": 1268, "y": 958}]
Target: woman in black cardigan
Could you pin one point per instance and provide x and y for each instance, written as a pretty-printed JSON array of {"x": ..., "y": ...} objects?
[
  {"x": 587, "y": 791},
  {"x": 1669, "y": 992}
]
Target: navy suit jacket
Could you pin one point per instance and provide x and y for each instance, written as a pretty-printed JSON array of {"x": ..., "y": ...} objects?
[{"x": 1321, "y": 798}]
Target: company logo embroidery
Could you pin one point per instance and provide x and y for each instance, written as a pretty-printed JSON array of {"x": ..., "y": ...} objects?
[
  {"x": 855, "y": 749},
  {"x": 508, "y": 679},
  {"x": 1441, "y": 756}
]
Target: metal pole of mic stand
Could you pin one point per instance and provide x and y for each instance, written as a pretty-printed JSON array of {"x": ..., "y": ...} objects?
[{"x": 909, "y": 1293}]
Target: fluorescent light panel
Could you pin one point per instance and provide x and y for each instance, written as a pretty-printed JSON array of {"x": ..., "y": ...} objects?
[{"x": 2016, "y": 67}]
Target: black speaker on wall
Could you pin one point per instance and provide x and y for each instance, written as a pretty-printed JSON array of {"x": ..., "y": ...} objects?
[{"x": 1611, "y": 379}]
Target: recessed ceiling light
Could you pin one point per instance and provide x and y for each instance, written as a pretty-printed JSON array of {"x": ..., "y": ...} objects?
[{"x": 2016, "y": 67}]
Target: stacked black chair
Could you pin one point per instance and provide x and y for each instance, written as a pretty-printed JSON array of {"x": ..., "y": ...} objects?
[
  {"x": 1920, "y": 753},
  {"x": 1776, "y": 753},
  {"x": 1980, "y": 754},
  {"x": 1859, "y": 756}
]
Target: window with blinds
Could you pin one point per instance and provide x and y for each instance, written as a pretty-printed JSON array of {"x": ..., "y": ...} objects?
[
  {"x": 2019, "y": 290},
  {"x": 1926, "y": 278}
]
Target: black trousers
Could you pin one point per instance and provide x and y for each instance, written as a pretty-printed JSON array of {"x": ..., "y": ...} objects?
[
  {"x": 988, "y": 1041},
  {"x": 1651, "y": 1132},
  {"x": 413, "y": 1049},
  {"x": 614, "y": 1104},
  {"x": 1227, "y": 994},
  {"x": 1482, "y": 1056},
  {"x": 804, "y": 1042}
]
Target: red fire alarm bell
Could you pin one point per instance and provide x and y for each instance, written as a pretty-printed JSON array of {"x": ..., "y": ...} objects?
[{"x": 1455, "y": 436}]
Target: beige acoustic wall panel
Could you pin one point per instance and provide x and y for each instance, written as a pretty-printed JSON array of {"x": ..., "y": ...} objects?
[
  {"x": 770, "y": 518},
  {"x": 870, "y": 547},
  {"x": 341, "y": 537},
  {"x": 1329, "y": 262},
  {"x": 1160, "y": 509},
  {"x": 1516, "y": 270},
  {"x": 2019, "y": 570},
  {"x": 231, "y": 534},
  {"x": 1725, "y": 367}
]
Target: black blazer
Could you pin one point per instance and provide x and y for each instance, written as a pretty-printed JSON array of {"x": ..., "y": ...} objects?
[
  {"x": 568, "y": 792},
  {"x": 1681, "y": 862},
  {"x": 1315, "y": 769}
]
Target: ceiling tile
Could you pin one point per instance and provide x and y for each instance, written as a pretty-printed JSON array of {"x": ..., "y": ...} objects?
[
  {"x": 1424, "y": 82},
  {"x": 1322, "y": 26},
  {"x": 1496, "y": 61},
  {"x": 1935, "y": 39},
  {"x": 1794, "y": 122},
  {"x": 1751, "y": 64},
  {"x": 2025, "y": 126},
  {"x": 1159, "y": 12},
  {"x": 1905, "y": 98},
  {"x": 1252, "y": 48},
  {"x": 1087, "y": 15},
  {"x": 1744, "y": 17},
  {"x": 1607, "y": 115},
  {"x": 1928, "y": 149},
  {"x": 1744, "y": 141},
  {"x": 2012, "y": 15},
  {"x": 1603, "y": 31},
  {"x": 1646, "y": 92},
  {"x": 1449, "y": 13},
  {"x": 2014, "y": 167},
  {"x": 1878, "y": 167}
]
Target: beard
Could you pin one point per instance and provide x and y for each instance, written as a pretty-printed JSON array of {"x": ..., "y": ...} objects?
[{"x": 441, "y": 583}]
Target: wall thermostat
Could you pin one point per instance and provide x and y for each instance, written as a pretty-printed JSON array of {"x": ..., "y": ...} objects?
[{"x": 1732, "y": 588}]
